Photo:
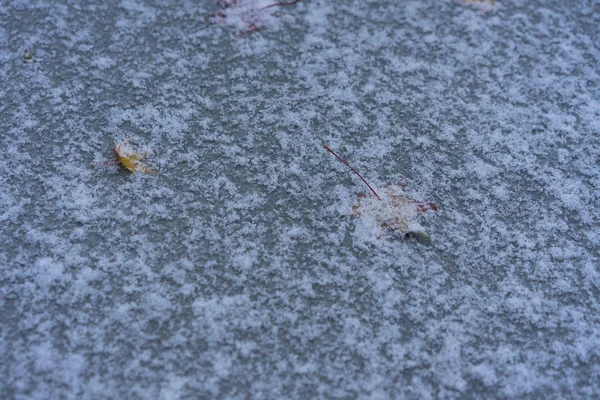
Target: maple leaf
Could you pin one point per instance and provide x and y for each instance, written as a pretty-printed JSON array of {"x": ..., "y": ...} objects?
[
  {"x": 130, "y": 159},
  {"x": 395, "y": 211}
]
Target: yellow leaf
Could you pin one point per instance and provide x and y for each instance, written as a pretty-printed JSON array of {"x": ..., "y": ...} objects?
[{"x": 130, "y": 159}]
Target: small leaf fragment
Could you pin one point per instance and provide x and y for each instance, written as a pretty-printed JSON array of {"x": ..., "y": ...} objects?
[{"x": 131, "y": 159}]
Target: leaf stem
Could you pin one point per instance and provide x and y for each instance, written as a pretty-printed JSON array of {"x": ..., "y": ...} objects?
[{"x": 353, "y": 170}]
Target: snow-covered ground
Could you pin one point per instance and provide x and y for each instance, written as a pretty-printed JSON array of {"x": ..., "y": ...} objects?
[{"x": 241, "y": 269}]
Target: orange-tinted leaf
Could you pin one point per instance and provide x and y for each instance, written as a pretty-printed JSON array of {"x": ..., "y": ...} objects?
[{"x": 130, "y": 159}]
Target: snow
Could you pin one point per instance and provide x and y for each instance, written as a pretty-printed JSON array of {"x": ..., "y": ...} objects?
[{"x": 239, "y": 269}]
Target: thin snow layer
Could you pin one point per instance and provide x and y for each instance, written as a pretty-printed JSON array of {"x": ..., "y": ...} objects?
[
  {"x": 236, "y": 271},
  {"x": 246, "y": 16}
]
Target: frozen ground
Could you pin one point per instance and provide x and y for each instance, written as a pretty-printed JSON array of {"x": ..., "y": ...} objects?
[{"x": 236, "y": 270}]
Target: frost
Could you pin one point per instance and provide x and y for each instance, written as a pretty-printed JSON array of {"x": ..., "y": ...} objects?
[
  {"x": 103, "y": 62},
  {"x": 49, "y": 273},
  {"x": 482, "y": 5},
  {"x": 239, "y": 269}
]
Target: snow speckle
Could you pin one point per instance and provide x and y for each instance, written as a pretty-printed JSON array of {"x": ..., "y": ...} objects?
[{"x": 239, "y": 269}]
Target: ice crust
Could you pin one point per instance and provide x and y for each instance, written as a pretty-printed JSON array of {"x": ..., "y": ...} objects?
[{"x": 237, "y": 271}]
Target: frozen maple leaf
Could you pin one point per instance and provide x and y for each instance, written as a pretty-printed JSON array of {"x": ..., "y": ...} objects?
[
  {"x": 394, "y": 212},
  {"x": 131, "y": 159},
  {"x": 248, "y": 15}
]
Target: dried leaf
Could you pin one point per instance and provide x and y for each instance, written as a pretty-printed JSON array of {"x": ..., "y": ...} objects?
[
  {"x": 130, "y": 159},
  {"x": 396, "y": 212}
]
